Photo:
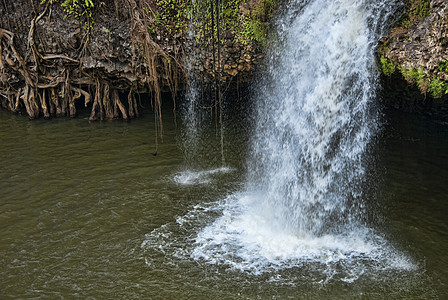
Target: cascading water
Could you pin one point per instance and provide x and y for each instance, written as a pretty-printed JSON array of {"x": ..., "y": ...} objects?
[
  {"x": 192, "y": 123},
  {"x": 194, "y": 144},
  {"x": 303, "y": 204},
  {"x": 195, "y": 141},
  {"x": 315, "y": 119}
]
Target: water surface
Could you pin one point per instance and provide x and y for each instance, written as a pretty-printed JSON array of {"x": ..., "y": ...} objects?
[{"x": 81, "y": 201}]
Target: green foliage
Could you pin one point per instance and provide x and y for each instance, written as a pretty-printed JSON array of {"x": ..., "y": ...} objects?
[
  {"x": 255, "y": 30},
  {"x": 246, "y": 20},
  {"x": 78, "y": 9},
  {"x": 230, "y": 15},
  {"x": 420, "y": 8},
  {"x": 171, "y": 14},
  {"x": 418, "y": 77},
  {"x": 434, "y": 85},
  {"x": 256, "y": 25},
  {"x": 71, "y": 8},
  {"x": 415, "y": 11},
  {"x": 443, "y": 66},
  {"x": 438, "y": 87},
  {"x": 248, "y": 24},
  {"x": 387, "y": 66},
  {"x": 204, "y": 19},
  {"x": 410, "y": 75}
]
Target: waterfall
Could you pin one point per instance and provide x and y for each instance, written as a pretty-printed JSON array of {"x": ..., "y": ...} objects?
[
  {"x": 304, "y": 200},
  {"x": 192, "y": 119},
  {"x": 316, "y": 115},
  {"x": 301, "y": 212}
]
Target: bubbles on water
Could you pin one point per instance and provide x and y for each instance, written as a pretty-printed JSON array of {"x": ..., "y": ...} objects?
[{"x": 245, "y": 240}]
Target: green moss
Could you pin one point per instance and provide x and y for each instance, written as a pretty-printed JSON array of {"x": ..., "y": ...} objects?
[{"x": 387, "y": 66}]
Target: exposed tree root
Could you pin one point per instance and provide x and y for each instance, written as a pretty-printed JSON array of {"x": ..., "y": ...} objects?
[{"x": 46, "y": 84}]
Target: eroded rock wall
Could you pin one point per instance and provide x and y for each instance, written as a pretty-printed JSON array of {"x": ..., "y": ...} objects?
[{"x": 51, "y": 62}]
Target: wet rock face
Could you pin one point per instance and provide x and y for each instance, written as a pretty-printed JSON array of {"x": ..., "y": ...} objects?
[
  {"x": 238, "y": 63},
  {"x": 423, "y": 45}
]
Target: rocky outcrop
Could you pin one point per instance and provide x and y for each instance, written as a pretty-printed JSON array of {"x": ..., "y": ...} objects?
[
  {"x": 423, "y": 44},
  {"x": 417, "y": 49},
  {"x": 52, "y": 62}
]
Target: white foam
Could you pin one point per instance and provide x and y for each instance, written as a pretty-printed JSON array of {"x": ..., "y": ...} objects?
[
  {"x": 245, "y": 240},
  {"x": 242, "y": 239},
  {"x": 193, "y": 177}
]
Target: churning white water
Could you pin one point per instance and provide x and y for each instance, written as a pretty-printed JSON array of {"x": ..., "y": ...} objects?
[{"x": 304, "y": 202}]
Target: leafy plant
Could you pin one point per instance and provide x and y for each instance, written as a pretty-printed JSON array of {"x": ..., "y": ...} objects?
[
  {"x": 437, "y": 87},
  {"x": 256, "y": 25},
  {"x": 434, "y": 85},
  {"x": 171, "y": 15},
  {"x": 443, "y": 66},
  {"x": 78, "y": 9}
]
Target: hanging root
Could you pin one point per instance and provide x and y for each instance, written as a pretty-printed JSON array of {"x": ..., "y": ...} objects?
[
  {"x": 117, "y": 103},
  {"x": 107, "y": 104},
  {"x": 158, "y": 64},
  {"x": 108, "y": 108},
  {"x": 43, "y": 104}
]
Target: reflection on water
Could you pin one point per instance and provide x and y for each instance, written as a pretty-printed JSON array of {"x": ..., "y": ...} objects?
[{"x": 78, "y": 200}]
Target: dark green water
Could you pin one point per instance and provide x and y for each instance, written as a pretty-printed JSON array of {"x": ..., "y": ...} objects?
[{"x": 78, "y": 199}]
